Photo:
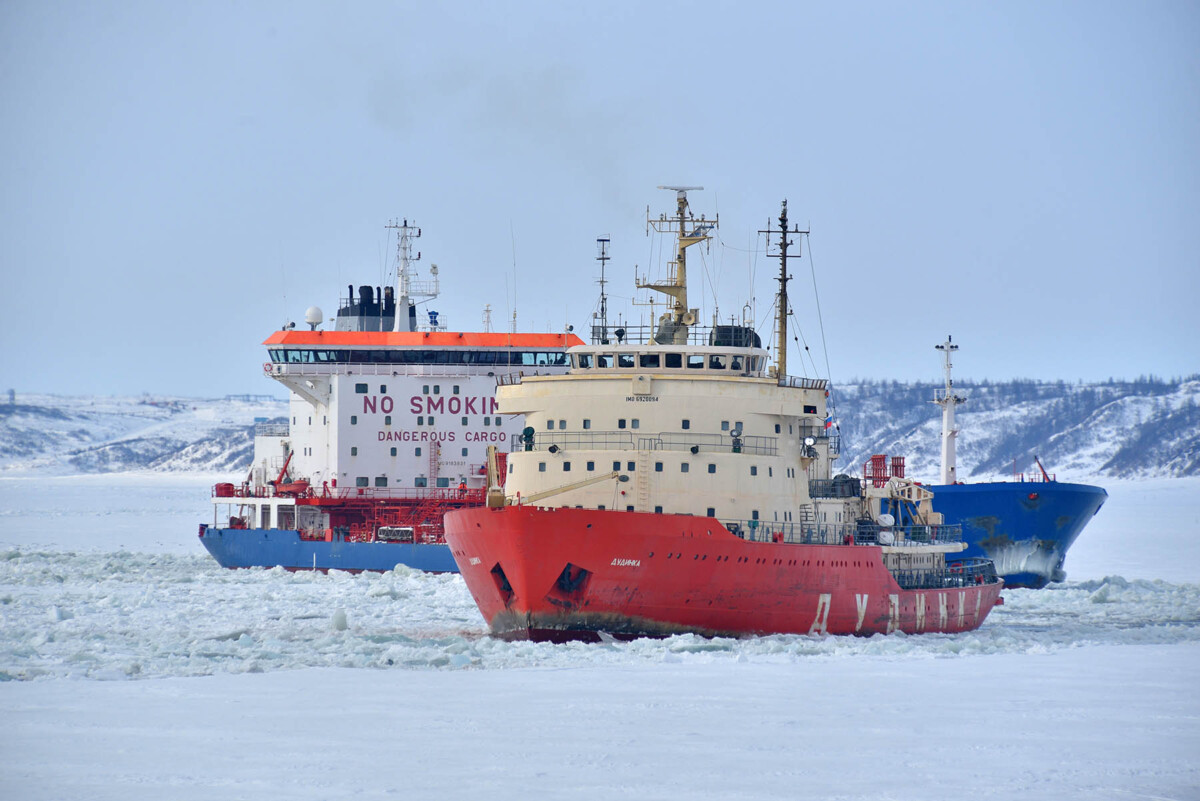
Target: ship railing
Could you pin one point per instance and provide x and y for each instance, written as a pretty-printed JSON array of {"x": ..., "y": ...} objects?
[
  {"x": 397, "y": 369},
  {"x": 963, "y": 573},
  {"x": 839, "y": 533},
  {"x": 271, "y": 429},
  {"x": 624, "y": 441},
  {"x": 796, "y": 382},
  {"x": 868, "y": 533}
]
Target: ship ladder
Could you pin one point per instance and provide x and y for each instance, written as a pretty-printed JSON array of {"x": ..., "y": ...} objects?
[
  {"x": 643, "y": 480},
  {"x": 808, "y": 523}
]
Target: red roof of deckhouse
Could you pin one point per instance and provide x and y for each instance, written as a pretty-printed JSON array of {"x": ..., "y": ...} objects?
[{"x": 423, "y": 339}]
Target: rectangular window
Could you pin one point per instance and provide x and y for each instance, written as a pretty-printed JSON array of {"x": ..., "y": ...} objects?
[
  {"x": 630, "y": 466},
  {"x": 711, "y": 512},
  {"x": 487, "y": 421},
  {"x": 686, "y": 424},
  {"x": 387, "y": 419},
  {"x": 362, "y": 481},
  {"x": 456, "y": 389},
  {"x": 587, "y": 424},
  {"x": 695, "y": 361},
  {"x": 712, "y": 468},
  {"x": 431, "y": 419},
  {"x": 393, "y": 451},
  {"x": 624, "y": 360},
  {"x": 425, "y": 390},
  {"x": 770, "y": 472},
  {"x": 354, "y": 451},
  {"x": 464, "y": 421},
  {"x": 754, "y": 470},
  {"x": 683, "y": 468},
  {"x": 443, "y": 482},
  {"x": 354, "y": 419},
  {"x": 511, "y": 468},
  {"x": 562, "y": 425},
  {"x": 635, "y": 423},
  {"x": 658, "y": 467},
  {"x": 616, "y": 466},
  {"x": 673, "y": 359},
  {"x": 417, "y": 452},
  {"x": 604, "y": 360},
  {"x": 724, "y": 425},
  {"x": 437, "y": 390},
  {"x": 754, "y": 515},
  {"x": 361, "y": 389},
  {"x": 621, "y": 423},
  {"x": 420, "y": 420},
  {"x": 549, "y": 425},
  {"x": 810, "y": 409},
  {"x": 648, "y": 360},
  {"x": 629, "y": 508},
  {"x": 591, "y": 466},
  {"x": 464, "y": 451},
  {"x": 420, "y": 481},
  {"x": 658, "y": 510},
  {"x": 566, "y": 467},
  {"x": 541, "y": 467},
  {"x": 381, "y": 481}
]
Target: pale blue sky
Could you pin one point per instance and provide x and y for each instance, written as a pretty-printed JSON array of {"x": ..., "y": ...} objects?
[{"x": 178, "y": 179}]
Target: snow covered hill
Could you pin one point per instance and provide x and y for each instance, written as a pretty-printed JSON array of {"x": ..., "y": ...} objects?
[
  {"x": 1118, "y": 429},
  {"x": 54, "y": 434}
]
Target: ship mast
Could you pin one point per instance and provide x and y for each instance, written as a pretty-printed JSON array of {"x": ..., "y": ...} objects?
[
  {"x": 673, "y": 325},
  {"x": 602, "y": 257},
  {"x": 406, "y": 287},
  {"x": 948, "y": 399},
  {"x": 781, "y": 314}
]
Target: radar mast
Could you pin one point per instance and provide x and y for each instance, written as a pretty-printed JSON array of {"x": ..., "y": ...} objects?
[{"x": 673, "y": 325}]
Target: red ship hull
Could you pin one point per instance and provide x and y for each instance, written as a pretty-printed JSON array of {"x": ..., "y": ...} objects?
[{"x": 566, "y": 573}]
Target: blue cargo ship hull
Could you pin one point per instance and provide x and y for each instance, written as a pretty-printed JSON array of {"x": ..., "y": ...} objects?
[
  {"x": 1025, "y": 528},
  {"x": 257, "y": 547}
]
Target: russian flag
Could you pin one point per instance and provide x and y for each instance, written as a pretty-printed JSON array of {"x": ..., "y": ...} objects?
[{"x": 829, "y": 421}]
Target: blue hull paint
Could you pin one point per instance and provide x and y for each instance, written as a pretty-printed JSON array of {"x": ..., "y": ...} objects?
[
  {"x": 1024, "y": 527},
  {"x": 256, "y": 547}
]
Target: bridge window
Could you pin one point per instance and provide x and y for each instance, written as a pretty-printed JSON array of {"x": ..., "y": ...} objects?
[
  {"x": 673, "y": 360},
  {"x": 735, "y": 363},
  {"x": 716, "y": 362},
  {"x": 604, "y": 360},
  {"x": 624, "y": 360},
  {"x": 585, "y": 361},
  {"x": 695, "y": 361},
  {"x": 648, "y": 360}
]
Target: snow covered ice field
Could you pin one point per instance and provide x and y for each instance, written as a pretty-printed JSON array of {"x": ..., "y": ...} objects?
[{"x": 135, "y": 667}]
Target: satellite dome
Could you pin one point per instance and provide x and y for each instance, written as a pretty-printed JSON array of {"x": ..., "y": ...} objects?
[{"x": 313, "y": 316}]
